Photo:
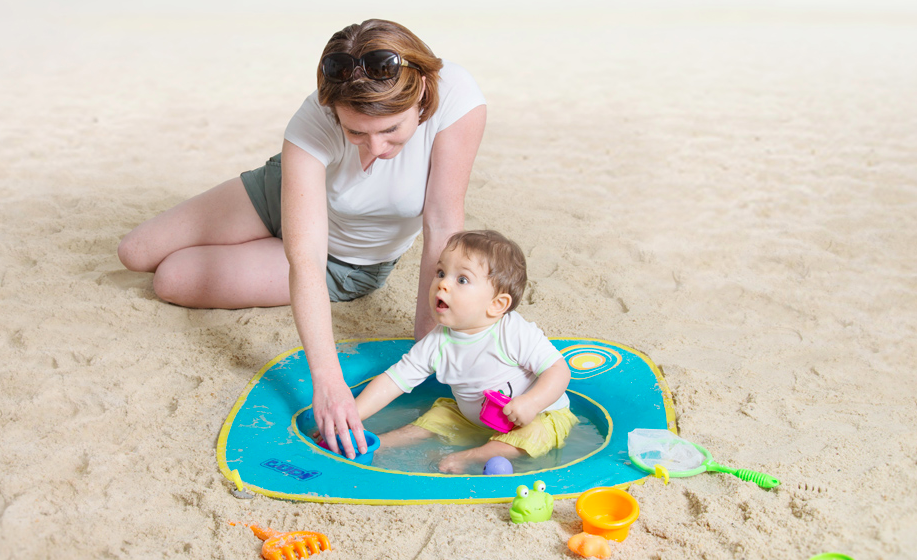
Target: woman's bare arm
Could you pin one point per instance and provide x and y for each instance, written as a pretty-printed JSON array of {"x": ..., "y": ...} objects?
[
  {"x": 454, "y": 150},
  {"x": 304, "y": 216}
]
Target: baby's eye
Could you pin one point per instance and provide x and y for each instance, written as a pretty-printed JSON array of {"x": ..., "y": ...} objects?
[
  {"x": 462, "y": 279},
  {"x": 440, "y": 274}
]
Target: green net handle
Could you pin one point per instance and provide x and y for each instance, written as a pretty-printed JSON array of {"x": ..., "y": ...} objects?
[{"x": 761, "y": 479}]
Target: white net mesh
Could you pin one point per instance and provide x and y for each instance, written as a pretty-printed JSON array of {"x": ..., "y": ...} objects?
[{"x": 662, "y": 447}]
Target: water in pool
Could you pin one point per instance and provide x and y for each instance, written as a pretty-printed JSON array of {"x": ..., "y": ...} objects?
[{"x": 425, "y": 455}]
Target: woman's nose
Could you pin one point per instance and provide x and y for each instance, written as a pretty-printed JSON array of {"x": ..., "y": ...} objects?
[{"x": 376, "y": 146}]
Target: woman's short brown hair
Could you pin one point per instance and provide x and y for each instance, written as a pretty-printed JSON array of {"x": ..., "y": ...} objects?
[
  {"x": 382, "y": 98},
  {"x": 503, "y": 257}
]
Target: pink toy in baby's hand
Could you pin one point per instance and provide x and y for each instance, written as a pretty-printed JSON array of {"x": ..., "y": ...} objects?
[{"x": 492, "y": 411}]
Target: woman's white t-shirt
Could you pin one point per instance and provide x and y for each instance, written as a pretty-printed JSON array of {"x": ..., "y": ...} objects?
[{"x": 375, "y": 215}]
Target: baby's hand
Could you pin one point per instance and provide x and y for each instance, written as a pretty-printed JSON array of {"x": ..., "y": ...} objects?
[{"x": 520, "y": 412}]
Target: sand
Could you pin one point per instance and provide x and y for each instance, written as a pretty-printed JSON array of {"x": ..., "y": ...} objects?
[{"x": 731, "y": 191}]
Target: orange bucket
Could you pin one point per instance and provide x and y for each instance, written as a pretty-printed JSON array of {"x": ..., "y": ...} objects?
[{"x": 607, "y": 512}]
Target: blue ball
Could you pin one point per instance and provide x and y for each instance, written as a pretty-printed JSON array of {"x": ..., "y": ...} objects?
[{"x": 498, "y": 465}]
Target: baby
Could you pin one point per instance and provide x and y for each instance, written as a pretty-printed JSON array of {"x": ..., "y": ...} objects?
[{"x": 480, "y": 344}]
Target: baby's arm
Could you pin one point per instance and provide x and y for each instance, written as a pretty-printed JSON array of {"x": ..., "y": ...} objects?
[
  {"x": 380, "y": 392},
  {"x": 410, "y": 371},
  {"x": 549, "y": 386}
]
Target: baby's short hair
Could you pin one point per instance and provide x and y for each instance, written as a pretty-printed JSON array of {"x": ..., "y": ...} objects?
[{"x": 503, "y": 257}]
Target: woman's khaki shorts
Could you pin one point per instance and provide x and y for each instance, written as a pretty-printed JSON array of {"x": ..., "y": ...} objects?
[
  {"x": 547, "y": 431},
  {"x": 345, "y": 281}
]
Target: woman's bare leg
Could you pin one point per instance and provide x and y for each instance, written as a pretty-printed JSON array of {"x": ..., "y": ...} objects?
[
  {"x": 252, "y": 274},
  {"x": 223, "y": 215},
  {"x": 211, "y": 251}
]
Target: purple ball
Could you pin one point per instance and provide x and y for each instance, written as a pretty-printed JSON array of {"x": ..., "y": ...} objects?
[{"x": 498, "y": 465}]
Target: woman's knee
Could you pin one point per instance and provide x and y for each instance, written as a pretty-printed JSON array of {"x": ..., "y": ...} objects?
[
  {"x": 133, "y": 254},
  {"x": 173, "y": 284}
]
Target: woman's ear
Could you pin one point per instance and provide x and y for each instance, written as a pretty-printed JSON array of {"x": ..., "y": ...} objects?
[{"x": 499, "y": 305}]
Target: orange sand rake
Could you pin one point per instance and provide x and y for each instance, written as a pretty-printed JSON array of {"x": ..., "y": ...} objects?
[{"x": 289, "y": 546}]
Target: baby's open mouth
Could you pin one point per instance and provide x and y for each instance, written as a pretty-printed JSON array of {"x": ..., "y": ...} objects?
[{"x": 440, "y": 304}]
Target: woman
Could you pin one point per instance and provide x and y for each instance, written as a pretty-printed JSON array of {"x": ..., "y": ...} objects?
[{"x": 382, "y": 150}]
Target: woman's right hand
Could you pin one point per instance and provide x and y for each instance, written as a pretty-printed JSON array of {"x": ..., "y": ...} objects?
[{"x": 335, "y": 413}]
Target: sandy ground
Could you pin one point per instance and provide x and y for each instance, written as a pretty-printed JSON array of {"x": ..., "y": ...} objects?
[{"x": 732, "y": 192}]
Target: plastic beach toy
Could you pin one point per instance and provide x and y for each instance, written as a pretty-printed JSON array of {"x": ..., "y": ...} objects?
[
  {"x": 651, "y": 448},
  {"x": 607, "y": 512},
  {"x": 498, "y": 465},
  {"x": 289, "y": 546},
  {"x": 589, "y": 546},
  {"x": 239, "y": 491},
  {"x": 492, "y": 411},
  {"x": 831, "y": 556},
  {"x": 372, "y": 444},
  {"x": 531, "y": 505}
]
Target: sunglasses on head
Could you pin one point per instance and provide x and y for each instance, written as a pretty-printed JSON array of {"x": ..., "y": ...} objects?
[{"x": 376, "y": 65}]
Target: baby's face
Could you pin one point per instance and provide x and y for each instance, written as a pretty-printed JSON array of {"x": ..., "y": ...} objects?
[{"x": 461, "y": 293}]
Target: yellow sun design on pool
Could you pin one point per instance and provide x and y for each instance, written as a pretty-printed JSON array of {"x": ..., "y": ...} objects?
[{"x": 587, "y": 361}]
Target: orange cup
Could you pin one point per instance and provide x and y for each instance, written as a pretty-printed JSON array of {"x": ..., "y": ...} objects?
[{"x": 607, "y": 512}]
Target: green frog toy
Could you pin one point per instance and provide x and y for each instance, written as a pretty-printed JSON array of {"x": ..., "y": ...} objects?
[{"x": 531, "y": 505}]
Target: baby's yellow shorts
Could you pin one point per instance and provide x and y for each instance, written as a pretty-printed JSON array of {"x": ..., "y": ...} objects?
[{"x": 546, "y": 432}]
